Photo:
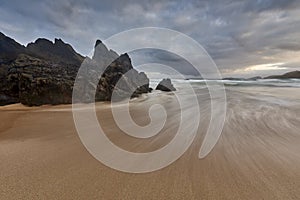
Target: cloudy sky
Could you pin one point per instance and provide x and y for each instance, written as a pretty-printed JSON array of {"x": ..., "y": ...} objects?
[{"x": 245, "y": 38}]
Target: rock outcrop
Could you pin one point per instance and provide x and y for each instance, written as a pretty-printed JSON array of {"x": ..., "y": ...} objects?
[
  {"x": 165, "y": 85},
  {"x": 119, "y": 77},
  {"x": 44, "y": 73},
  {"x": 35, "y": 82},
  {"x": 102, "y": 55}
]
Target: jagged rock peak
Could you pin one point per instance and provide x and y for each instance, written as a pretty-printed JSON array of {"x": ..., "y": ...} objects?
[
  {"x": 125, "y": 57},
  {"x": 57, "y": 51},
  {"x": 58, "y": 41},
  {"x": 44, "y": 41},
  {"x": 101, "y": 49},
  {"x": 98, "y": 42},
  {"x": 40, "y": 41},
  {"x": 102, "y": 55}
]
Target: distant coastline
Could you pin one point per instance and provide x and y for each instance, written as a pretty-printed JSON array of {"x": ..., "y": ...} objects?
[{"x": 288, "y": 75}]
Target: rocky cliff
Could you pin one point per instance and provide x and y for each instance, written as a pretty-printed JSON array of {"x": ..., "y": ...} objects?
[
  {"x": 119, "y": 77},
  {"x": 44, "y": 73}
]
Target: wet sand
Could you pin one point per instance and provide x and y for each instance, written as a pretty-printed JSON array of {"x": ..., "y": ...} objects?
[{"x": 257, "y": 156}]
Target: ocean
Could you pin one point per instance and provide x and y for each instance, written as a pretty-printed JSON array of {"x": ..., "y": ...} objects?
[{"x": 295, "y": 83}]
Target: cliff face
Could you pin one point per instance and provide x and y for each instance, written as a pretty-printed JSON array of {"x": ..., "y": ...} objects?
[
  {"x": 44, "y": 73},
  {"x": 33, "y": 81}
]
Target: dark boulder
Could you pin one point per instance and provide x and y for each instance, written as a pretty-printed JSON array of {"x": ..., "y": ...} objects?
[{"x": 165, "y": 85}]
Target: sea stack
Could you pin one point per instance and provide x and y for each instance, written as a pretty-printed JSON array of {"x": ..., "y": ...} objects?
[{"x": 165, "y": 85}]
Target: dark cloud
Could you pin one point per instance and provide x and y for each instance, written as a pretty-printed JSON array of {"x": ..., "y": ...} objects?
[
  {"x": 141, "y": 57},
  {"x": 237, "y": 34}
]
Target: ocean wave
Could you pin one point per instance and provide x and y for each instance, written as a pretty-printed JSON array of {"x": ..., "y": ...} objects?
[{"x": 241, "y": 83}]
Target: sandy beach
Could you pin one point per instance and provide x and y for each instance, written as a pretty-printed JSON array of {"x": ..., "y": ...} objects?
[{"x": 257, "y": 156}]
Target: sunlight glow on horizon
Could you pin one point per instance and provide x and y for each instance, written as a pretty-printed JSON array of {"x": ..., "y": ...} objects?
[{"x": 263, "y": 67}]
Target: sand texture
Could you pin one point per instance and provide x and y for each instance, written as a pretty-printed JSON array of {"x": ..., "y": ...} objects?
[{"x": 257, "y": 156}]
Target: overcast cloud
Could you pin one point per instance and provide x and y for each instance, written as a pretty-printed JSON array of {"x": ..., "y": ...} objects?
[{"x": 244, "y": 38}]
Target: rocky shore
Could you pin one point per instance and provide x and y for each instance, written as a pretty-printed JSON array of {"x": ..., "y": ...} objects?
[{"x": 44, "y": 72}]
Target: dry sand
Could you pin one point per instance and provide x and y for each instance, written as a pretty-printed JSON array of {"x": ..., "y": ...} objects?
[{"x": 257, "y": 156}]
